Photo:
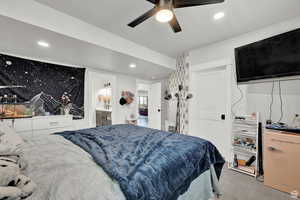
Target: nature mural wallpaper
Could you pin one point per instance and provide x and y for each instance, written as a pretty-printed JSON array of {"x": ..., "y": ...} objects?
[{"x": 49, "y": 89}]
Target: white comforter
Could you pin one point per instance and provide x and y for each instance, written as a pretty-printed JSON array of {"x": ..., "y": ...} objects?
[{"x": 63, "y": 171}]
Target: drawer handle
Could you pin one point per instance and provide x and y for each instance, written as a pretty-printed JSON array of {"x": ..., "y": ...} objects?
[
  {"x": 272, "y": 148},
  {"x": 53, "y": 123}
]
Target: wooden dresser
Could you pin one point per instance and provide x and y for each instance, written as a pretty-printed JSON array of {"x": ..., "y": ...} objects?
[{"x": 282, "y": 160}]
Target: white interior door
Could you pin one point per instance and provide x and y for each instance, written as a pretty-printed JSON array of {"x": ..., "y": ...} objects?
[
  {"x": 154, "y": 106},
  {"x": 209, "y": 115}
]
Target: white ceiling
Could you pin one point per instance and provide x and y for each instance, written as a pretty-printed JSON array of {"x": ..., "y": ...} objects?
[
  {"x": 198, "y": 25},
  {"x": 20, "y": 39}
]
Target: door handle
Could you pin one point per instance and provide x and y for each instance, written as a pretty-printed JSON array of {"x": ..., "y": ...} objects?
[
  {"x": 223, "y": 117},
  {"x": 158, "y": 110}
]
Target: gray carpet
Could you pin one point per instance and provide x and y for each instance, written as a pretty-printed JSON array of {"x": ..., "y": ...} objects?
[{"x": 237, "y": 186}]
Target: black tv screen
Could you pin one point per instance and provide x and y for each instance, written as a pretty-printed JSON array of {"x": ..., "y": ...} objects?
[{"x": 275, "y": 57}]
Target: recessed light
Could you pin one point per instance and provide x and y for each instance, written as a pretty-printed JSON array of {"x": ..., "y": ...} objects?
[
  {"x": 153, "y": 77},
  {"x": 132, "y": 65},
  {"x": 43, "y": 44},
  {"x": 219, "y": 15}
]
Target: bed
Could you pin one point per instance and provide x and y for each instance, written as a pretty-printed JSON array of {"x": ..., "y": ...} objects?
[{"x": 67, "y": 165}]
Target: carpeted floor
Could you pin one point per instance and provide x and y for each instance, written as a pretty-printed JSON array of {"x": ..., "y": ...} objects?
[{"x": 237, "y": 186}]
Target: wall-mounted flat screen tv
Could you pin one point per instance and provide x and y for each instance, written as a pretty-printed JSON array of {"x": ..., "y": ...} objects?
[{"x": 275, "y": 57}]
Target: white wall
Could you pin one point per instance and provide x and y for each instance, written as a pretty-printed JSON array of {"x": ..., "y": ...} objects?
[
  {"x": 141, "y": 86},
  {"x": 127, "y": 83},
  {"x": 142, "y": 93},
  {"x": 257, "y": 96},
  {"x": 224, "y": 49}
]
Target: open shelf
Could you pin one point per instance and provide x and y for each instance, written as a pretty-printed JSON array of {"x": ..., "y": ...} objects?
[
  {"x": 244, "y": 170},
  {"x": 243, "y": 150},
  {"x": 244, "y": 143}
]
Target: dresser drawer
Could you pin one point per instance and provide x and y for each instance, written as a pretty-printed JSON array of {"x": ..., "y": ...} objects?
[
  {"x": 52, "y": 122},
  {"x": 20, "y": 125},
  {"x": 281, "y": 161},
  {"x": 23, "y": 125},
  {"x": 51, "y": 131}
]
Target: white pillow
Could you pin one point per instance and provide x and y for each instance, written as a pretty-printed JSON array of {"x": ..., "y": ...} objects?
[
  {"x": 10, "y": 150},
  {"x": 9, "y": 136}
]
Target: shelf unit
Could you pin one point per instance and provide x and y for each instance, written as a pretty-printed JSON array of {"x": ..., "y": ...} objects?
[{"x": 244, "y": 143}]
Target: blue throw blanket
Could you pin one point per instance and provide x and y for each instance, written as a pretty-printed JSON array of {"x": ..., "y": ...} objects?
[{"x": 148, "y": 164}]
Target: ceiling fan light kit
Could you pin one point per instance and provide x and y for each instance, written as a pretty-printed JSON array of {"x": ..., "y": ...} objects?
[
  {"x": 164, "y": 15},
  {"x": 164, "y": 11}
]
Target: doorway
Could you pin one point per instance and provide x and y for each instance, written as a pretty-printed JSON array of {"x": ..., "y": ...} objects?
[
  {"x": 143, "y": 108},
  {"x": 101, "y": 99},
  {"x": 210, "y": 115},
  {"x": 149, "y": 104}
]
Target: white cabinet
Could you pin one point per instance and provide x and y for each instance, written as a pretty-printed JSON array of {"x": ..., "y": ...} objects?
[
  {"x": 20, "y": 125},
  {"x": 52, "y": 122},
  {"x": 42, "y": 124}
]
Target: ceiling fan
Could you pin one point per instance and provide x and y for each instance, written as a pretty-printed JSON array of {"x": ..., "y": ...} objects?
[{"x": 164, "y": 11}]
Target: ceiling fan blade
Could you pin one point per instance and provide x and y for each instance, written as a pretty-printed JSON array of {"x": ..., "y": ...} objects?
[
  {"x": 143, "y": 18},
  {"x": 175, "y": 25},
  {"x": 152, "y": 1},
  {"x": 190, "y": 3}
]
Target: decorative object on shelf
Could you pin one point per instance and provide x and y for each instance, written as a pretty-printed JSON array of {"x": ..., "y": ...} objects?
[
  {"x": 245, "y": 140},
  {"x": 42, "y": 85}
]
